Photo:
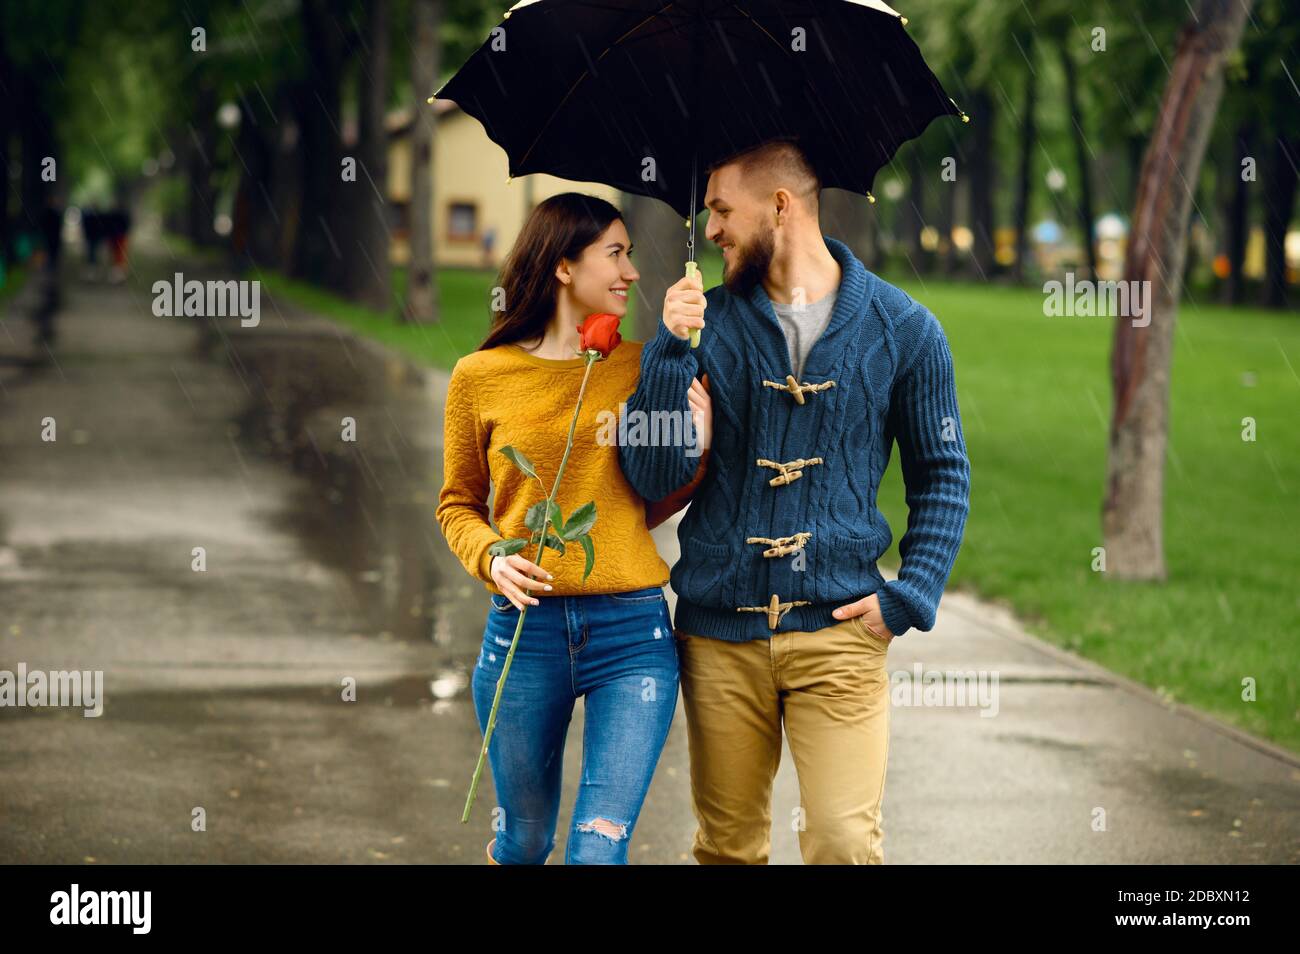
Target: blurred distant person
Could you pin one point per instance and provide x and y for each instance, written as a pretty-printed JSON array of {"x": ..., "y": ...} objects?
[
  {"x": 47, "y": 300},
  {"x": 92, "y": 230},
  {"x": 489, "y": 239},
  {"x": 47, "y": 270},
  {"x": 117, "y": 227}
]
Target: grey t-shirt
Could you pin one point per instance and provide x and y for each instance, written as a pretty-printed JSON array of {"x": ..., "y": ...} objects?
[{"x": 803, "y": 326}]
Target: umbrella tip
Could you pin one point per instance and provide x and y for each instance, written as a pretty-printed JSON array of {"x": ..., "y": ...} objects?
[
  {"x": 871, "y": 198},
  {"x": 903, "y": 20},
  {"x": 965, "y": 118},
  {"x": 431, "y": 99}
]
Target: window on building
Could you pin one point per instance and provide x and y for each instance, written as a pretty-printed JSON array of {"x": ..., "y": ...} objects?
[
  {"x": 462, "y": 220},
  {"x": 399, "y": 218}
]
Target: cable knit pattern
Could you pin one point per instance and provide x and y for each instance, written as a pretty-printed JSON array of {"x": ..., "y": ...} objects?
[
  {"x": 505, "y": 396},
  {"x": 894, "y": 384}
]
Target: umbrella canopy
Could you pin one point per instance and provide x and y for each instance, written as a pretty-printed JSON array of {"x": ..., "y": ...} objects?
[{"x": 643, "y": 95}]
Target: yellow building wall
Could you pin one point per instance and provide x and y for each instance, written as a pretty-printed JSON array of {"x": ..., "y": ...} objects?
[{"x": 470, "y": 167}]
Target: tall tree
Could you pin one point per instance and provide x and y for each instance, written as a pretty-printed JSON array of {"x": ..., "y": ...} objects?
[
  {"x": 982, "y": 182},
  {"x": 1132, "y": 513},
  {"x": 7, "y": 99},
  {"x": 1282, "y": 179},
  {"x": 421, "y": 282},
  {"x": 1025, "y": 166},
  {"x": 367, "y": 266},
  {"x": 913, "y": 211},
  {"x": 329, "y": 38},
  {"x": 1237, "y": 213},
  {"x": 1082, "y": 159},
  {"x": 199, "y": 152}
]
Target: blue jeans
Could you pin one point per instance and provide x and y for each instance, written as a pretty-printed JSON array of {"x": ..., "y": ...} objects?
[{"x": 617, "y": 650}]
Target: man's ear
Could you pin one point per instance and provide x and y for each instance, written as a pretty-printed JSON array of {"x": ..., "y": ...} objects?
[{"x": 781, "y": 201}]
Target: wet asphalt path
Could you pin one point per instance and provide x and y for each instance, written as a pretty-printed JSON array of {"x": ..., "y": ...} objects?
[{"x": 324, "y": 563}]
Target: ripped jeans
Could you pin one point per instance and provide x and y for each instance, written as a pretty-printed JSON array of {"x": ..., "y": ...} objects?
[{"x": 617, "y": 650}]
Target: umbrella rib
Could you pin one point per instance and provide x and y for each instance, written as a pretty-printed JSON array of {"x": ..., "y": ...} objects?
[
  {"x": 749, "y": 16},
  {"x": 585, "y": 74}
]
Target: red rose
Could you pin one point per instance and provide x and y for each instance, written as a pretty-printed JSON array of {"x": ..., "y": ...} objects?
[{"x": 600, "y": 333}]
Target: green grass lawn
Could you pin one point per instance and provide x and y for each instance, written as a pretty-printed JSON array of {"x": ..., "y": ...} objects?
[
  {"x": 1035, "y": 402},
  {"x": 464, "y": 297}
]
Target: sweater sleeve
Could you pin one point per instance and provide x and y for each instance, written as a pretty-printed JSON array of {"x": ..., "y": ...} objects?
[
  {"x": 667, "y": 367},
  {"x": 924, "y": 419},
  {"x": 462, "y": 505},
  {"x": 658, "y": 511}
]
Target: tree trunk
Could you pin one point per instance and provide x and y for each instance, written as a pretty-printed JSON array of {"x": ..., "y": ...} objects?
[
  {"x": 1025, "y": 172},
  {"x": 947, "y": 262},
  {"x": 200, "y": 144},
  {"x": 1135, "y": 147},
  {"x": 873, "y": 249},
  {"x": 660, "y": 240},
  {"x": 981, "y": 184},
  {"x": 36, "y": 130},
  {"x": 276, "y": 240},
  {"x": 368, "y": 268},
  {"x": 6, "y": 125},
  {"x": 1277, "y": 215},
  {"x": 848, "y": 217},
  {"x": 1132, "y": 513},
  {"x": 914, "y": 213},
  {"x": 422, "y": 304},
  {"x": 1236, "y": 220},
  {"x": 253, "y": 196},
  {"x": 317, "y": 254},
  {"x": 1081, "y": 159}
]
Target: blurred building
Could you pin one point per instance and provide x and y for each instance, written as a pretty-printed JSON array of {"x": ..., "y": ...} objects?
[{"x": 476, "y": 214}]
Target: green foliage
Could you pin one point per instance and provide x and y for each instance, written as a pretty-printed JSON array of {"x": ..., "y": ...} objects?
[
  {"x": 580, "y": 521},
  {"x": 520, "y": 460},
  {"x": 507, "y": 547},
  {"x": 535, "y": 518},
  {"x": 589, "y": 548}
]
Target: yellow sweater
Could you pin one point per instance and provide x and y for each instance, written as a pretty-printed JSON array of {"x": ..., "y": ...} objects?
[{"x": 505, "y": 396}]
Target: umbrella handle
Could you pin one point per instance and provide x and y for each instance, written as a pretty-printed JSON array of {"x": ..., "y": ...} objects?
[{"x": 692, "y": 269}]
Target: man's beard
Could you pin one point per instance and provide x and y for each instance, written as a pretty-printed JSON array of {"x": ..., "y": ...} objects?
[{"x": 752, "y": 263}]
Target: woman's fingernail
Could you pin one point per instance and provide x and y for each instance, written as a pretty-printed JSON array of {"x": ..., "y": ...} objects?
[
  {"x": 550, "y": 576},
  {"x": 548, "y": 586}
]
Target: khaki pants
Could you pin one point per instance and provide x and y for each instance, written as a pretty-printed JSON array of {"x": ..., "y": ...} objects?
[{"x": 831, "y": 688}]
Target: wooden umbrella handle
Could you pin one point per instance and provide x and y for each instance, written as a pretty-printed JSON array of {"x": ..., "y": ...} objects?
[{"x": 692, "y": 269}]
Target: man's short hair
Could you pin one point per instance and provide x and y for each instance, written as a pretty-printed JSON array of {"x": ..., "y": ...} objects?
[{"x": 775, "y": 164}]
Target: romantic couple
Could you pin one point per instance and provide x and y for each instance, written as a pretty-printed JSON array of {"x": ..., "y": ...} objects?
[{"x": 810, "y": 369}]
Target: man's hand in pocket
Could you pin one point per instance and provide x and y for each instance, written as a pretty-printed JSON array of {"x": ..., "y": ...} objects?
[{"x": 869, "y": 608}]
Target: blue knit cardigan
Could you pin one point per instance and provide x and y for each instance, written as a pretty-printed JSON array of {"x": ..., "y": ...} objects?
[{"x": 893, "y": 381}]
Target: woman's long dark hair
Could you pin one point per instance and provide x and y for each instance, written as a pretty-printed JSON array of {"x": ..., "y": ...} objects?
[{"x": 558, "y": 227}]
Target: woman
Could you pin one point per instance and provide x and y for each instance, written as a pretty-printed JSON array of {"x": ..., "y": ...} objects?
[{"x": 609, "y": 639}]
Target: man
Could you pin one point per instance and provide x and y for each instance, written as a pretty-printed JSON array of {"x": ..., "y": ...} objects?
[{"x": 817, "y": 367}]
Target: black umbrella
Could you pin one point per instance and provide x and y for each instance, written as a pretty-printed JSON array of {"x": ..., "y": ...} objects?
[{"x": 642, "y": 95}]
